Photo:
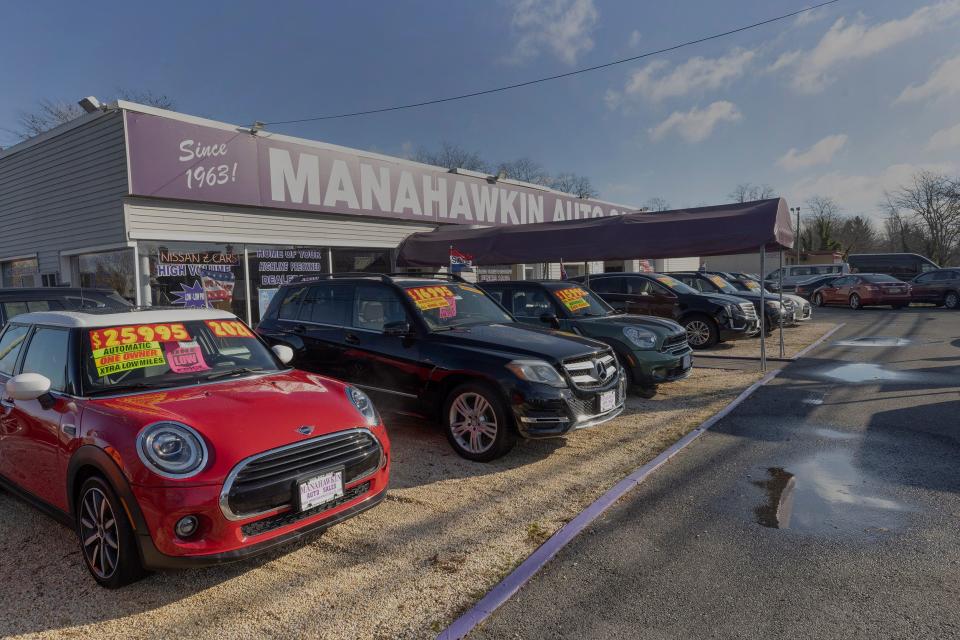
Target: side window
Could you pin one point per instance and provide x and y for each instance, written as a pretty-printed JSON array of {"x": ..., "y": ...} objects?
[
  {"x": 938, "y": 276},
  {"x": 47, "y": 355},
  {"x": 14, "y": 309},
  {"x": 43, "y": 305},
  {"x": 329, "y": 303},
  {"x": 82, "y": 303},
  {"x": 290, "y": 305},
  {"x": 10, "y": 344},
  {"x": 531, "y": 302},
  {"x": 774, "y": 275},
  {"x": 375, "y": 306},
  {"x": 841, "y": 282},
  {"x": 639, "y": 287},
  {"x": 497, "y": 294},
  {"x": 927, "y": 278},
  {"x": 607, "y": 285}
]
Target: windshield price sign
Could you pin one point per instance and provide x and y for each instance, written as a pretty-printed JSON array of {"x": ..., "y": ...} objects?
[
  {"x": 573, "y": 298},
  {"x": 229, "y": 329},
  {"x": 114, "y": 336},
  {"x": 123, "y": 357},
  {"x": 431, "y": 297}
]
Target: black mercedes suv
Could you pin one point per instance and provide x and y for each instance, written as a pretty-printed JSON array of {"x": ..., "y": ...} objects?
[
  {"x": 442, "y": 348},
  {"x": 708, "y": 318}
]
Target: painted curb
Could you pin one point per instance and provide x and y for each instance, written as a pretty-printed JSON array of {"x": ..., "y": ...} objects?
[{"x": 510, "y": 585}]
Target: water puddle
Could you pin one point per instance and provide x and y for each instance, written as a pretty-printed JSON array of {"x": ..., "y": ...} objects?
[
  {"x": 833, "y": 434},
  {"x": 864, "y": 372},
  {"x": 875, "y": 341},
  {"x": 826, "y": 493}
]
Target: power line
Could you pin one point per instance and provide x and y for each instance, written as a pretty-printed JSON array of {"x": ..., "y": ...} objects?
[{"x": 555, "y": 77}]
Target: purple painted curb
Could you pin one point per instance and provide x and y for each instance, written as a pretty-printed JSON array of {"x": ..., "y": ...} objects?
[{"x": 539, "y": 558}]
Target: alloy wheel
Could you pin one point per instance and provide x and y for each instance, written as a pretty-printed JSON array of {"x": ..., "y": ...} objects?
[
  {"x": 854, "y": 301},
  {"x": 698, "y": 333},
  {"x": 952, "y": 300},
  {"x": 818, "y": 299},
  {"x": 99, "y": 535},
  {"x": 473, "y": 422}
]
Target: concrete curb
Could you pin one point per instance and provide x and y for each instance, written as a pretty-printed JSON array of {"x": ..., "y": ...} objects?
[
  {"x": 810, "y": 347},
  {"x": 510, "y": 585}
]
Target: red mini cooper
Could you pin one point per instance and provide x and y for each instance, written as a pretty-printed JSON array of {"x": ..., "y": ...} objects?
[{"x": 175, "y": 438}]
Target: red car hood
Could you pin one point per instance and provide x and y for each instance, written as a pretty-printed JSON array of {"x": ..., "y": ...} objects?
[{"x": 237, "y": 418}]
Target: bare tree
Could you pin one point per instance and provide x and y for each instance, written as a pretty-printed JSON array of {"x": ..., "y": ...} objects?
[
  {"x": 746, "y": 192},
  {"x": 452, "y": 156},
  {"x": 571, "y": 183},
  {"x": 822, "y": 225},
  {"x": 931, "y": 201},
  {"x": 856, "y": 235},
  {"x": 657, "y": 203},
  {"x": 49, "y": 114},
  {"x": 524, "y": 169}
]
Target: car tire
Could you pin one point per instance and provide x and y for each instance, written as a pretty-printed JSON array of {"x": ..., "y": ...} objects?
[
  {"x": 478, "y": 423},
  {"x": 105, "y": 536},
  {"x": 817, "y": 299},
  {"x": 855, "y": 302},
  {"x": 702, "y": 331},
  {"x": 952, "y": 300}
]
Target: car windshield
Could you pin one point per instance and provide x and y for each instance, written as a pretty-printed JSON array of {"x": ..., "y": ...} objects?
[
  {"x": 674, "y": 285},
  {"x": 167, "y": 354},
  {"x": 451, "y": 304},
  {"x": 721, "y": 284},
  {"x": 581, "y": 303},
  {"x": 751, "y": 285},
  {"x": 879, "y": 278}
]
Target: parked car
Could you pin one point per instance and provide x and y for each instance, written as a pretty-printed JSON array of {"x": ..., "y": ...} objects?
[
  {"x": 652, "y": 350},
  {"x": 788, "y": 277},
  {"x": 707, "y": 318},
  {"x": 941, "y": 287},
  {"x": 805, "y": 288},
  {"x": 774, "y": 313},
  {"x": 442, "y": 348},
  {"x": 178, "y": 438},
  {"x": 15, "y": 301},
  {"x": 802, "y": 310},
  {"x": 903, "y": 266},
  {"x": 864, "y": 290}
]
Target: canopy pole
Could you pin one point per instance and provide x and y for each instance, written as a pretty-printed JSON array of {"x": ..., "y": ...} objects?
[
  {"x": 763, "y": 308},
  {"x": 781, "y": 305}
]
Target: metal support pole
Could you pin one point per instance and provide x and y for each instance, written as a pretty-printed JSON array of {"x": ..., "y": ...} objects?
[
  {"x": 763, "y": 308},
  {"x": 781, "y": 305},
  {"x": 797, "y": 239}
]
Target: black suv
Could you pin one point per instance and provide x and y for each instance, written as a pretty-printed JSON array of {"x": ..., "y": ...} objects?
[
  {"x": 774, "y": 313},
  {"x": 14, "y": 301},
  {"x": 442, "y": 348},
  {"x": 708, "y": 318}
]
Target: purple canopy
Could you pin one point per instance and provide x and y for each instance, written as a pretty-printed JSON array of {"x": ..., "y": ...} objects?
[{"x": 703, "y": 231}]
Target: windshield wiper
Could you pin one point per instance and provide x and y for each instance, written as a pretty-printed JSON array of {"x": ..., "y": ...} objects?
[
  {"x": 231, "y": 372},
  {"x": 135, "y": 386}
]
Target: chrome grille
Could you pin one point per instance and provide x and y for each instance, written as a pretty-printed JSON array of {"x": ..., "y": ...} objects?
[
  {"x": 593, "y": 371},
  {"x": 748, "y": 310},
  {"x": 676, "y": 344}
]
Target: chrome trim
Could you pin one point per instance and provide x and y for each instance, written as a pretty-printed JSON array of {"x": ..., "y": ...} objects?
[
  {"x": 382, "y": 390},
  {"x": 204, "y": 458},
  {"x": 600, "y": 418},
  {"x": 232, "y": 476},
  {"x": 540, "y": 420}
]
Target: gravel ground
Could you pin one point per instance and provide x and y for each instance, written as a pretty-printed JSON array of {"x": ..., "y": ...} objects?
[
  {"x": 448, "y": 531},
  {"x": 795, "y": 338}
]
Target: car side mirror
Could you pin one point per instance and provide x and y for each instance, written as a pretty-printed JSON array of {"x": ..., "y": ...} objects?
[
  {"x": 551, "y": 319},
  {"x": 283, "y": 352},
  {"x": 28, "y": 386},
  {"x": 400, "y": 328}
]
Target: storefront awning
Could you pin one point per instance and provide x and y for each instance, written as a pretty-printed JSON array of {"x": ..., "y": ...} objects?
[{"x": 702, "y": 231}]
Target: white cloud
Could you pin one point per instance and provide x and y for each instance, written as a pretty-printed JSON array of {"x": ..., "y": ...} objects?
[
  {"x": 944, "y": 81},
  {"x": 809, "y": 17},
  {"x": 844, "y": 43},
  {"x": 696, "y": 74},
  {"x": 635, "y": 39},
  {"x": 860, "y": 193},
  {"x": 945, "y": 139},
  {"x": 697, "y": 124},
  {"x": 820, "y": 153},
  {"x": 562, "y": 27}
]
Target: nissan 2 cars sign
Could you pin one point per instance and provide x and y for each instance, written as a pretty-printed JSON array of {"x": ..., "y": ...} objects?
[{"x": 175, "y": 159}]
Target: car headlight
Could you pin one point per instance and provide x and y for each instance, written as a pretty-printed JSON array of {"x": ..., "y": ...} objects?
[
  {"x": 734, "y": 310},
  {"x": 172, "y": 450},
  {"x": 364, "y": 405},
  {"x": 537, "y": 371},
  {"x": 773, "y": 304},
  {"x": 641, "y": 337}
]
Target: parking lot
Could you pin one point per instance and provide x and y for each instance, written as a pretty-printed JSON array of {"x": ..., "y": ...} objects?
[{"x": 448, "y": 531}]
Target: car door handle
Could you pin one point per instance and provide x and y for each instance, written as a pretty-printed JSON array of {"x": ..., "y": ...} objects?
[
  {"x": 351, "y": 338},
  {"x": 299, "y": 329}
]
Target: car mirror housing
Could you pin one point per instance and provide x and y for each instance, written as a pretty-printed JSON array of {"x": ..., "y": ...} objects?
[
  {"x": 28, "y": 386},
  {"x": 283, "y": 353},
  {"x": 397, "y": 328},
  {"x": 551, "y": 319}
]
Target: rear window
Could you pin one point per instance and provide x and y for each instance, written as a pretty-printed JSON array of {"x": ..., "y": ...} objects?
[{"x": 878, "y": 278}]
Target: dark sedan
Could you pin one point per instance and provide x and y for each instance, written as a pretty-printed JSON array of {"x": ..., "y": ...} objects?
[{"x": 940, "y": 287}]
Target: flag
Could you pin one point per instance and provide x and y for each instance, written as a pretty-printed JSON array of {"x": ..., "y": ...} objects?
[
  {"x": 563, "y": 271},
  {"x": 460, "y": 262}
]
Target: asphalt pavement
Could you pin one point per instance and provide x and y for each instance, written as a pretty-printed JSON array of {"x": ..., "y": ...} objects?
[{"x": 825, "y": 506}]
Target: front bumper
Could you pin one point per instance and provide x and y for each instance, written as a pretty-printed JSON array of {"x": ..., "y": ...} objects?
[
  {"x": 654, "y": 367},
  {"x": 542, "y": 411},
  {"x": 738, "y": 328}
]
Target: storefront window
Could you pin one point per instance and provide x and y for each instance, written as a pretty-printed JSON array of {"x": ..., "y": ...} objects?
[
  {"x": 20, "y": 273},
  {"x": 272, "y": 266},
  {"x": 196, "y": 275},
  {"x": 368, "y": 260},
  {"x": 109, "y": 270}
]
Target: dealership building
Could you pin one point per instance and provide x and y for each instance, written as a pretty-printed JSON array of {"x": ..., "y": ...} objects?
[{"x": 168, "y": 208}]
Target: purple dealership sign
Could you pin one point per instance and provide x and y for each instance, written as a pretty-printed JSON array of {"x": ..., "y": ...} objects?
[{"x": 171, "y": 158}]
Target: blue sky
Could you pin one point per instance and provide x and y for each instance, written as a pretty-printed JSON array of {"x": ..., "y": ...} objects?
[{"x": 845, "y": 102}]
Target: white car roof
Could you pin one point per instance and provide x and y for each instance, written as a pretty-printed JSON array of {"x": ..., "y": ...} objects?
[{"x": 117, "y": 317}]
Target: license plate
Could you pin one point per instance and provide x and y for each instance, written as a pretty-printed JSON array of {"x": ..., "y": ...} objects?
[
  {"x": 895, "y": 290},
  {"x": 608, "y": 400},
  {"x": 320, "y": 489},
  {"x": 687, "y": 361}
]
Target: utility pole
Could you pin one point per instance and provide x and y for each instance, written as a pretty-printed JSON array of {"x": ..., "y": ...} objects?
[{"x": 797, "y": 211}]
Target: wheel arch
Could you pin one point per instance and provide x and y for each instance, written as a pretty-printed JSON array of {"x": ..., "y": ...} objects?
[{"x": 90, "y": 460}]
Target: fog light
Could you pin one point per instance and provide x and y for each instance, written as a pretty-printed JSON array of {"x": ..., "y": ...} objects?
[{"x": 186, "y": 526}]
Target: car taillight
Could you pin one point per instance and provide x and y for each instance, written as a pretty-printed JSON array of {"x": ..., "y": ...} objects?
[{"x": 872, "y": 287}]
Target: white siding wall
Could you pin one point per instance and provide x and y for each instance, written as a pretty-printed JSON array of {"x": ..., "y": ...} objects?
[
  {"x": 65, "y": 192},
  {"x": 676, "y": 264},
  {"x": 745, "y": 262}
]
